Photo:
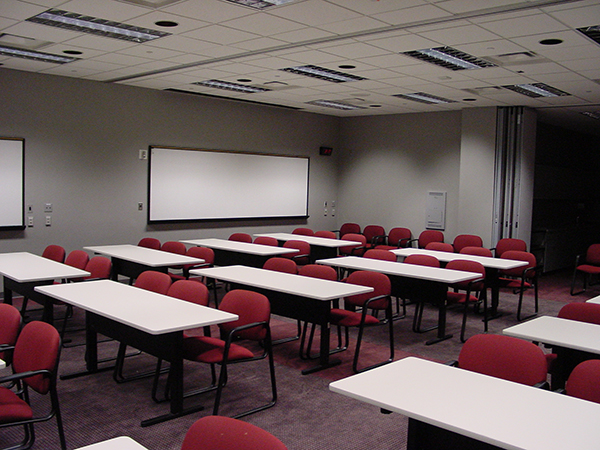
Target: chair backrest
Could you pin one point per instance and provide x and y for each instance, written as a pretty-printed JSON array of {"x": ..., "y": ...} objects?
[
  {"x": 189, "y": 290},
  {"x": 318, "y": 271},
  {"x": 250, "y": 307},
  {"x": 582, "y": 312},
  {"x": 10, "y": 324},
  {"x": 349, "y": 227},
  {"x": 468, "y": 266},
  {"x": 348, "y": 249},
  {"x": 154, "y": 281},
  {"x": 99, "y": 267},
  {"x": 149, "y": 242},
  {"x": 422, "y": 260},
  {"x": 504, "y": 357},
  {"x": 37, "y": 348},
  {"x": 428, "y": 236},
  {"x": 174, "y": 247},
  {"x": 584, "y": 381},
  {"x": 303, "y": 249},
  {"x": 506, "y": 244},
  {"x": 325, "y": 234},
  {"x": 55, "y": 253},
  {"x": 205, "y": 253},
  {"x": 281, "y": 265},
  {"x": 520, "y": 256},
  {"x": 304, "y": 231},
  {"x": 477, "y": 251},
  {"x": 225, "y": 433},
  {"x": 378, "y": 281},
  {"x": 592, "y": 256},
  {"x": 466, "y": 240},
  {"x": 440, "y": 247},
  {"x": 384, "y": 255},
  {"x": 77, "y": 259},
  {"x": 372, "y": 231},
  {"x": 399, "y": 237},
  {"x": 241, "y": 237},
  {"x": 266, "y": 240}
]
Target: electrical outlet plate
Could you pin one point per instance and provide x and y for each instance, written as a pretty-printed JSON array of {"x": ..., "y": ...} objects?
[
  {"x": 48, "y": 207},
  {"x": 143, "y": 154},
  {"x": 48, "y": 221},
  {"x": 29, "y": 221}
]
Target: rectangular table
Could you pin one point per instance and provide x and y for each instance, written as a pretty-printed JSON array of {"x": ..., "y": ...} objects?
[
  {"x": 2, "y": 364},
  {"x": 23, "y": 271},
  {"x": 131, "y": 260},
  {"x": 118, "y": 443},
  {"x": 319, "y": 247},
  {"x": 571, "y": 340},
  {"x": 148, "y": 321},
  {"x": 295, "y": 296},
  {"x": 228, "y": 253},
  {"x": 493, "y": 267},
  {"x": 423, "y": 283},
  {"x": 451, "y": 408}
]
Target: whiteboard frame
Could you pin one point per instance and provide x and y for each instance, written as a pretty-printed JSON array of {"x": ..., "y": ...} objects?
[
  {"x": 12, "y": 183},
  {"x": 186, "y": 185}
]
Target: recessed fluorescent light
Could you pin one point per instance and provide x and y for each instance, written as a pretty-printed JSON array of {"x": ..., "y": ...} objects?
[
  {"x": 592, "y": 114},
  {"x": 231, "y": 86},
  {"x": 324, "y": 74},
  {"x": 93, "y": 25},
  {"x": 422, "y": 97},
  {"x": 261, "y": 4},
  {"x": 35, "y": 55},
  {"x": 536, "y": 90},
  {"x": 592, "y": 32},
  {"x": 334, "y": 104},
  {"x": 450, "y": 58}
]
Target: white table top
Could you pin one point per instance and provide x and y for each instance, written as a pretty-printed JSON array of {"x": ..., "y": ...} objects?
[
  {"x": 118, "y": 443},
  {"x": 145, "y": 310},
  {"x": 594, "y": 300},
  {"x": 143, "y": 255},
  {"x": 492, "y": 263},
  {"x": 312, "y": 240},
  {"x": 26, "y": 267},
  {"x": 400, "y": 269},
  {"x": 561, "y": 332},
  {"x": 315, "y": 288},
  {"x": 241, "y": 247},
  {"x": 499, "y": 412},
  {"x": 2, "y": 364}
]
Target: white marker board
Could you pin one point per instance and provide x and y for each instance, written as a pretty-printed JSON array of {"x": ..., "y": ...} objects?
[{"x": 12, "y": 182}]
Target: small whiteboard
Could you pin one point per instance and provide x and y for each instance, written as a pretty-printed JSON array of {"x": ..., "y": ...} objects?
[
  {"x": 436, "y": 210},
  {"x": 12, "y": 183}
]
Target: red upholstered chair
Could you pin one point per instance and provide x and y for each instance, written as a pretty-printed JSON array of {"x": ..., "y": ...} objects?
[
  {"x": 354, "y": 250},
  {"x": 477, "y": 251},
  {"x": 149, "y": 242},
  {"x": 398, "y": 237},
  {"x": 35, "y": 364},
  {"x": 304, "y": 232},
  {"x": 281, "y": 265},
  {"x": 173, "y": 247},
  {"x": 506, "y": 244},
  {"x": 55, "y": 253},
  {"x": 588, "y": 267},
  {"x": 225, "y": 433},
  {"x": 584, "y": 381},
  {"x": 241, "y": 237},
  {"x": 375, "y": 235},
  {"x": 428, "y": 236},
  {"x": 379, "y": 299},
  {"x": 205, "y": 253},
  {"x": 303, "y": 256},
  {"x": 10, "y": 324},
  {"x": 420, "y": 260},
  {"x": 254, "y": 311},
  {"x": 504, "y": 357},
  {"x": 440, "y": 247},
  {"x": 474, "y": 290},
  {"x": 521, "y": 278},
  {"x": 325, "y": 234},
  {"x": 349, "y": 227},
  {"x": 266, "y": 240},
  {"x": 384, "y": 255},
  {"x": 466, "y": 240}
]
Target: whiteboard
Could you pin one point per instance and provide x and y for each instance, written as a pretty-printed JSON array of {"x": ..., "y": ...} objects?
[
  {"x": 12, "y": 183},
  {"x": 190, "y": 185}
]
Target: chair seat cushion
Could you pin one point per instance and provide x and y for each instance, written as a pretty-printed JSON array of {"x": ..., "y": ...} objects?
[
  {"x": 587, "y": 268},
  {"x": 347, "y": 318},
  {"x": 458, "y": 297},
  {"x": 210, "y": 350},
  {"x": 516, "y": 284},
  {"x": 386, "y": 247},
  {"x": 12, "y": 408}
]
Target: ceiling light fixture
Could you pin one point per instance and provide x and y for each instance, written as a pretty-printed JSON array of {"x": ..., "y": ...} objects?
[
  {"x": 592, "y": 114},
  {"x": 323, "y": 74},
  {"x": 260, "y": 4},
  {"x": 422, "y": 97},
  {"x": 334, "y": 104},
  {"x": 231, "y": 86},
  {"x": 536, "y": 90},
  {"x": 100, "y": 27},
  {"x": 592, "y": 32},
  {"x": 36, "y": 56},
  {"x": 450, "y": 58}
]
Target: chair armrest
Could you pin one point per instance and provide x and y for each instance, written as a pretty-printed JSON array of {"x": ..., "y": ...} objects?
[
  {"x": 360, "y": 247},
  {"x": 6, "y": 347},
  {"x": 402, "y": 243},
  {"x": 380, "y": 239},
  {"x": 410, "y": 242},
  {"x": 373, "y": 299},
  {"x": 385, "y": 411},
  {"x": 22, "y": 375},
  {"x": 542, "y": 385},
  {"x": 560, "y": 391},
  {"x": 452, "y": 363}
]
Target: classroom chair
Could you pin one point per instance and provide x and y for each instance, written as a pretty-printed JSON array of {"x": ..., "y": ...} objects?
[
  {"x": 466, "y": 240},
  {"x": 588, "y": 267},
  {"x": 10, "y": 325}
]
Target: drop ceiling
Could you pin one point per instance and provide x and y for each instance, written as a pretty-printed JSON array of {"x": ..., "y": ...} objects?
[{"x": 220, "y": 40}]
